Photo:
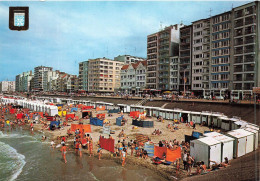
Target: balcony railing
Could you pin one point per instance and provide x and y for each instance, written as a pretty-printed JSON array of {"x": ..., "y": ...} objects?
[
  {"x": 249, "y": 69},
  {"x": 238, "y": 79},
  {"x": 239, "y": 60},
  {"x": 238, "y": 69},
  {"x": 249, "y": 50},
  {"x": 238, "y": 24},
  {"x": 238, "y": 51},
  {"x": 249, "y": 60},
  {"x": 249, "y": 78},
  {"x": 249, "y": 40}
]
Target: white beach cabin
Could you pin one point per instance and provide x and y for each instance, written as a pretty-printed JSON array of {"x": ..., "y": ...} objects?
[
  {"x": 206, "y": 149},
  {"x": 244, "y": 142},
  {"x": 227, "y": 144}
]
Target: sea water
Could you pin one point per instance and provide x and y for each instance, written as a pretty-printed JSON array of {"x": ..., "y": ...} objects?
[{"x": 24, "y": 156}]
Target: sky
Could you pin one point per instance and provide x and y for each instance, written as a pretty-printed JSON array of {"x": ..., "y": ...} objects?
[{"x": 61, "y": 34}]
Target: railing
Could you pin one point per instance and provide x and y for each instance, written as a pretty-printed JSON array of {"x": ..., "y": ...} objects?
[
  {"x": 239, "y": 24},
  {"x": 249, "y": 69},
  {"x": 249, "y": 60},
  {"x": 249, "y": 50},
  {"x": 238, "y": 69}
]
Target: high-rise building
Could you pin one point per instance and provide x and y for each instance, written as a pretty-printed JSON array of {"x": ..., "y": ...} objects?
[
  {"x": 41, "y": 78},
  {"x": 221, "y": 53},
  {"x": 200, "y": 55},
  {"x": 83, "y": 76},
  {"x": 128, "y": 59},
  {"x": 185, "y": 56},
  {"x": 246, "y": 38},
  {"x": 23, "y": 81},
  {"x": 160, "y": 47},
  {"x": 104, "y": 75}
]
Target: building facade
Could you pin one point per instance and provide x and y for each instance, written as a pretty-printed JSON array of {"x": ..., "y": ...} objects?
[
  {"x": 185, "y": 57},
  {"x": 200, "y": 55},
  {"x": 104, "y": 75},
  {"x": 7, "y": 86},
  {"x": 174, "y": 73},
  {"x": 160, "y": 47},
  {"x": 133, "y": 77},
  {"x": 83, "y": 76},
  {"x": 128, "y": 59},
  {"x": 41, "y": 78},
  {"x": 23, "y": 81},
  {"x": 246, "y": 38}
]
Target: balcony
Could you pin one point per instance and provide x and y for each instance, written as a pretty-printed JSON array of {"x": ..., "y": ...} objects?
[
  {"x": 249, "y": 78},
  {"x": 238, "y": 51},
  {"x": 239, "y": 14},
  {"x": 238, "y": 78},
  {"x": 238, "y": 69},
  {"x": 249, "y": 40},
  {"x": 249, "y": 49},
  {"x": 250, "y": 20},
  {"x": 239, "y": 41},
  {"x": 239, "y": 23},
  {"x": 249, "y": 69},
  {"x": 238, "y": 59}
]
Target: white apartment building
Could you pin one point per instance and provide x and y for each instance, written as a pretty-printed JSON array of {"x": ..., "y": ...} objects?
[
  {"x": 7, "y": 86},
  {"x": 133, "y": 77},
  {"x": 104, "y": 75}
]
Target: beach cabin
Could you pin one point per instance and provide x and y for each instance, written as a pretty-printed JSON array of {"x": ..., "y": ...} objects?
[
  {"x": 148, "y": 110},
  {"x": 186, "y": 116},
  {"x": 225, "y": 123},
  {"x": 206, "y": 149},
  {"x": 53, "y": 110},
  {"x": 169, "y": 114},
  {"x": 216, "y": 121},
  {"x": 244, "y": 142},
  {"x": 162, "y": 112},
  {"x": 227, "y": 144},
  {"x": 177, "y": 114},
  {"x": 206, "y": 117},
  {"x": 256, "y": 135},
  {"x": 124, "y": 107},
  {"x": 237, "y": 124},
  {"x": 195, "y": 117}
]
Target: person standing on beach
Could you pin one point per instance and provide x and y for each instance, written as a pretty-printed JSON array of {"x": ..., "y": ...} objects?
[
  {"x": 123, "y": 156},
  {"x": 52, "y": 144},
  {"x": 63, "y": 152},
  {"x": 80, "y": 149}
]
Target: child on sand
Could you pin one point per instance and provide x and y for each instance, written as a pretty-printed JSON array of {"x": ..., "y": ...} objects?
[
  {"x": 80, "y": 149},
  {"x": 99, "y": 152},
  {"x": 91, "y": 147}
]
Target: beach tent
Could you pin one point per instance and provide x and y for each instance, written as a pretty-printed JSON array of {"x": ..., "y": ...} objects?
[
  {"x": 113, "y": 111},
  {"x": 134, "y": 114},
  {"x": 86, "y": 113},
  {"x": 256, "y": 135},
  {"x": 71, "y": 115},
  {"x": 107, "y": 144},
  {"x": 171, "y": 155},
  {"x": 206, "y": 149},
  {"x": 187, "y": 113},
  {"x": 227, "y": 144},
  {"x": 52, "y": 110},
  {"x": 156, "y": 111},
  {"x": 81, "y": 127},
  {"x": 244, "y": 142},
  {"x": 96, "y": 122},
  {"x": 124, "y": 107},
  {"x": 195, "y": 117},
  {"x": 119, "y": 120},
  {"x": 100, "y": 108}
]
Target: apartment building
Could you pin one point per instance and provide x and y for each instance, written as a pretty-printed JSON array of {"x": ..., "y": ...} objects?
[
  {"x": 128, "y": 59},
  {"x": 246, "y": 38},
  {"x": 104, "y": 75},
  {"x": 201, "y": 55},
  {"x": 133, "y": 77},
  {"x": 7, "y": 86},
  {"x": 160, "y": 47},
  {"x": 174, "y": 73},
  {"x": 41, "y": 78},
  {"x": 221, "y": 53},
  {"x": 23, "y": 81},
  {"x": 83, "y": 76},
  {"x": 185, "y": 57}
]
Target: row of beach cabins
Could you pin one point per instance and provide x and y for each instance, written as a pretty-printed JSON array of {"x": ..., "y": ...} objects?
[{"x": 238, "y": 137}]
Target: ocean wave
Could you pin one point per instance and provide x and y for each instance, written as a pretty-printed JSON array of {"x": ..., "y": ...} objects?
[{"x": 13, "y": 162}]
